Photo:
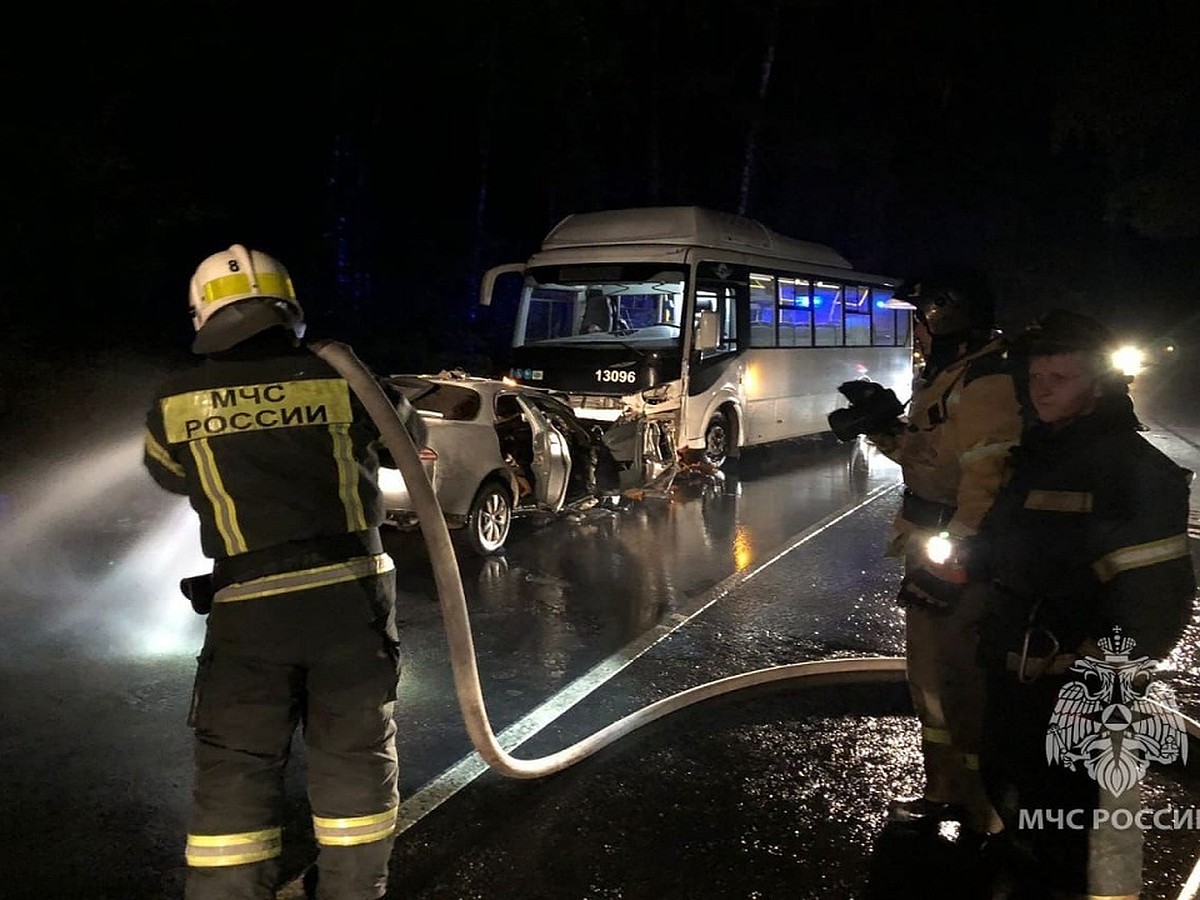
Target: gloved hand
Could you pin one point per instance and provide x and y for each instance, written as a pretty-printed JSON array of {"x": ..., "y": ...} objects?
[
  {"x": 199, "y": 591},
  {"x": 923, "y": 588}
]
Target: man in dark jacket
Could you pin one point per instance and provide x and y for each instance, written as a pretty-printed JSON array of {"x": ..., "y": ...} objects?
[
  {"x": 278, "y": 458},
  {"x": 1086, "y": 547}
]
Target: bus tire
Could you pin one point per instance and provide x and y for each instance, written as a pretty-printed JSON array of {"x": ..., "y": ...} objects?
[{"x": 717, "y": 437}]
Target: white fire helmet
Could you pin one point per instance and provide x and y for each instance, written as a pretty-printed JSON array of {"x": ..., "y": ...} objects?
[{"x": 238, "y": 293}]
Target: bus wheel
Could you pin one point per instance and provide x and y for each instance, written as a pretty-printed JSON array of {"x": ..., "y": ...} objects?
[{"x": 716, "y": 439}]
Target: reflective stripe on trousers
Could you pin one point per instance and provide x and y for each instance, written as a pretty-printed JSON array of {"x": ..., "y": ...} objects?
[
  {"x": 233, "y": 849},
  {"x": 350, "y": 832}
]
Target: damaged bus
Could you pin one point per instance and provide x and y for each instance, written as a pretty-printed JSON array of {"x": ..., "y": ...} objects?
[{"x": 710, "y": 331}]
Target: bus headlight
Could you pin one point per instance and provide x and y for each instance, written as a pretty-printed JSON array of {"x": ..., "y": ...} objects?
[{"x": 1128, "y": 359}]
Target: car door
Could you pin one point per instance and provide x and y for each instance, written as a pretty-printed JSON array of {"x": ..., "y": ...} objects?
[{"x": 551, "y": 458}]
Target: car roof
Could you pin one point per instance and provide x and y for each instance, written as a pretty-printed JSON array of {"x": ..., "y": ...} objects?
[{"x": 478, "y": 382}]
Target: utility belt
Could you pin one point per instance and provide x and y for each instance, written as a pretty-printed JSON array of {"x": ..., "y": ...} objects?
[
  {"x": 925, "y": 513},
  {"x": 1031, "y": 668},
  {"x": 291, "y": 566},
  {"x": 293, "y": 556},
  {"x": 1040, "y": 651}
]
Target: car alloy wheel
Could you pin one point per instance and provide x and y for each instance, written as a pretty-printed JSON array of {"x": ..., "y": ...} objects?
[{"x": 489, "y": 520}]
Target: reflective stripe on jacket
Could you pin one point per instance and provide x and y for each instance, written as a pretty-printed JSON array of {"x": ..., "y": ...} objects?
[
  {"x": 269, "y": 449},
  {"x": 1090, "y": 534},
  {"x": 958, "y": 431}
]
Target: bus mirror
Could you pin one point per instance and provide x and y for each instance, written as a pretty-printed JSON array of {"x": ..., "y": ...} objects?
[
  {"x": 488, "y": 284},
  {"x": 708, "y": 333}
]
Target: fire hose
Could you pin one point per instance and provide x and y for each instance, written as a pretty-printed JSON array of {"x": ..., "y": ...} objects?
[{"x": 453, "y": 605}]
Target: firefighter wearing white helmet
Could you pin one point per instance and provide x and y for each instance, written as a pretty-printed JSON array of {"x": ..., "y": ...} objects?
[
  {"x": 280, "y": 461},
  {"x": 250, "y": 290}
]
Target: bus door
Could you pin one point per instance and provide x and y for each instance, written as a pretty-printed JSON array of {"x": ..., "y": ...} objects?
[{"x": 714, "y": 373}]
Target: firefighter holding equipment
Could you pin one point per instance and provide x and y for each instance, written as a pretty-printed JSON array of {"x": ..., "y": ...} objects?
[
  {"x": 951, "y": 447},
  {"x": 280, "y": 460},
  {"x": 1087, "y": 552}
]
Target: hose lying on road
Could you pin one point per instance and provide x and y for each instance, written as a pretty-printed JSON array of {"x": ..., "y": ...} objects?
[{"x": 458, "y": 628}]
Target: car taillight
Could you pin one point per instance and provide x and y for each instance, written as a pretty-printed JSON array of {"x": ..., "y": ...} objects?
[{"x": 427, "y": 454}]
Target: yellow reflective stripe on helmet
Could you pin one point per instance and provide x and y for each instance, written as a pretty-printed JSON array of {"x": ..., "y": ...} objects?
[
  {"x": 1138, "y": 556},
  {"x": 1060, "y": 501},
  {"x": 206, "y": 850},
  {"x": 306, "y": 579},
  {"x": 984, "y": 451},
  {"x": 353, "y": 831},
  {"x": 159, "y": 454},
  {"x": 931, "y": 735},
  {"x": 224, "y": 511},
  {"x": 347, "y": 466},
  {"x": 256, "y": 407},
  {"x": 270, "y": 284}
]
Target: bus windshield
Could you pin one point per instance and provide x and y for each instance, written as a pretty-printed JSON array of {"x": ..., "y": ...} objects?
[{"x": 603, "y": 304}]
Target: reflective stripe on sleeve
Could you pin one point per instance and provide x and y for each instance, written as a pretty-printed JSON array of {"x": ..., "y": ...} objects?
[
  {"x": 357, "y": 830},
  {"x": 1138, "y": 556},
  {"x": 347, "y": 466},
  {"x": 931, "y": 735},
  {"x": 306, "y": 579},
  {"x": 206, "y": 850},
  {"x": 984, "y": 451},
  {"x": 224, "y": 511},
  {"x": 1060, "y": 501},
  {"x": 159, "y": 454}
]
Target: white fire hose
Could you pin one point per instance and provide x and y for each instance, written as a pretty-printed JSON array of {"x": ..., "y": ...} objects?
[
  {"x": 458, "y": 627},
  {"x": 462, "y": 648}
]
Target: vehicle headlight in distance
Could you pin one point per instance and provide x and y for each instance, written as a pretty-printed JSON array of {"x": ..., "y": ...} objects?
[{"x": 1128, "y": 359}]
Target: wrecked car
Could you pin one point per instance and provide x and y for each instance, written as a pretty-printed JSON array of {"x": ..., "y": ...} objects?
[{"x": 495, "y": 451}]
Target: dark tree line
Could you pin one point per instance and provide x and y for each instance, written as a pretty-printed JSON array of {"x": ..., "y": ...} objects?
[{"x": 389, "y": 158}]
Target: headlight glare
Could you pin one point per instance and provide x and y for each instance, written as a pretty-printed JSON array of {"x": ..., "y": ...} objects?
[{"x": 1128, "y": 359}]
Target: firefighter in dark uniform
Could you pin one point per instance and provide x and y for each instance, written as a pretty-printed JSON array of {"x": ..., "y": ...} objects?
[
  {"x": 951, "y": 446},
  {"x": 1087, "y": 549},
  {"x": 279, "y": 460}
]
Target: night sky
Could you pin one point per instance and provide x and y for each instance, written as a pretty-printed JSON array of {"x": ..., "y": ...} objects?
[{"x": 388, "y": 153}]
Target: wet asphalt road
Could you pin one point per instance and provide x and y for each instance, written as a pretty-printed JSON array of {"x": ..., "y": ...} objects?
[{"x": 775, "y": 792}]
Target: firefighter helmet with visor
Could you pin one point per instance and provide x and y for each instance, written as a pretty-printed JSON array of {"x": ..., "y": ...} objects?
[
  {"x": 951, "y": 305},
  {"x": 236, "y": 294}
]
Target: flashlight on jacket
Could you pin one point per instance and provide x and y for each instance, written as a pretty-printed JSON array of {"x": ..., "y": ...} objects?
[
  {"x": 939, "y": 549},
  {"x": 943, "y": 555}
]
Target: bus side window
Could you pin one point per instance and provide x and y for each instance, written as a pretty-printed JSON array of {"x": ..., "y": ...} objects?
[{"x": 762, "y": 311}]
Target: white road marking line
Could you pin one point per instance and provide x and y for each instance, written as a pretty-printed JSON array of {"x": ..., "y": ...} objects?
[{"x": 440, "y": 789}]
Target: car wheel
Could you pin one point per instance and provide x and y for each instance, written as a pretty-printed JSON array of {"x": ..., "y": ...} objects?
[
  {"x": 716, "y": 439},
  {"x": 489, "y": 519}
]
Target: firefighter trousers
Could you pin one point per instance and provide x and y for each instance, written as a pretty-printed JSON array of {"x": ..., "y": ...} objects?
[
  {"x": 947, "y": 688},
  {"x": 1079, "y": 840},
  {"x": 326, "y": 658}
]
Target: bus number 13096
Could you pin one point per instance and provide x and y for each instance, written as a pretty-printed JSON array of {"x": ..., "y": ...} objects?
[{"x": 619, "y": 376}]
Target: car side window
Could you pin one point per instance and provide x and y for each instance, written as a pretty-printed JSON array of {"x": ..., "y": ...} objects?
[{"x": 507, "y": 407}]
